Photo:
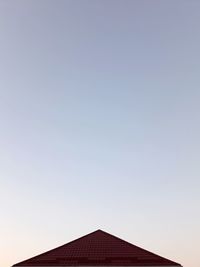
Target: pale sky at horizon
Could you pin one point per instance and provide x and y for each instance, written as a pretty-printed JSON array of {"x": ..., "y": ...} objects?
[{"x": 99, "y": 113}]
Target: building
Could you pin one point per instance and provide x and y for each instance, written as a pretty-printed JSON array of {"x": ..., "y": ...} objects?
[{"x": 97, "y": 249}]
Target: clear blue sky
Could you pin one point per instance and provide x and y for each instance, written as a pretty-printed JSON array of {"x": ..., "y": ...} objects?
[{"x": 100, "y": 124}]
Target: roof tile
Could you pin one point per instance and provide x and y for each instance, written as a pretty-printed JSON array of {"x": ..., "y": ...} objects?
[{"x": 98, "y": 249}]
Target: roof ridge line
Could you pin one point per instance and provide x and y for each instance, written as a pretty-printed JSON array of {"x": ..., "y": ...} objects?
[
  {"x": 139, "y": 247},
  {"x": 46, "y": 252}
]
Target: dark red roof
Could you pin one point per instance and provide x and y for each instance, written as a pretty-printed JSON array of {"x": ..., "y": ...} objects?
[{"x": 98, "y": 249}]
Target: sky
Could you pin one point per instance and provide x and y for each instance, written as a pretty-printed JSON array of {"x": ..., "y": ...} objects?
[{"x": 100, "y": 125}]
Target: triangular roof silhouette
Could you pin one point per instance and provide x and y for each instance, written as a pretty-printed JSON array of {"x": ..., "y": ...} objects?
[{"x": 98, "y": 249}]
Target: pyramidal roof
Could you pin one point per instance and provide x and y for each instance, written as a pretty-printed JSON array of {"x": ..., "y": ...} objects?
[{"x": 98, "y": 249}]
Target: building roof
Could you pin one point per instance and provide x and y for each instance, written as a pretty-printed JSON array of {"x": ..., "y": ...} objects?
[{"x": 98, "y": 249}]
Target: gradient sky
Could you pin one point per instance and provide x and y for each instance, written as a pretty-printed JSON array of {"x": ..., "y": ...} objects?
[{"x": 100, "y": 124}]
